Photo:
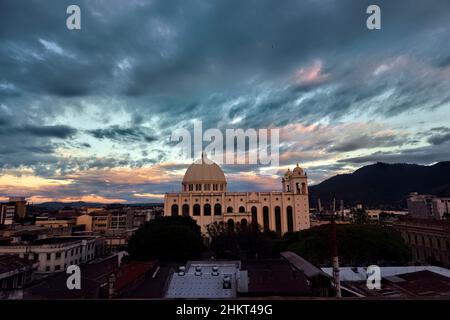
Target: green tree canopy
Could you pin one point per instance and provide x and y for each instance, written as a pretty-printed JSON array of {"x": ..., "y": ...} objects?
[
  {"x": 358, "y": 244},
  {"x": 167, "y": 239},
  {"x": 241, "y": 241}
]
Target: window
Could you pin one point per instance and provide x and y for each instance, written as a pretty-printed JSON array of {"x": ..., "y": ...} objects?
[
  {"x": 191, "y": 187},
  {"x": 58, "y": 255},
  {"x": 174, "y": 210},
  {"x": 49, "y": 256},
  {"x": 217, "y": 209},
  {"x": 241, "y": 209},
  {"x": 47, "y": 268},
  {"x": 278, "y": 220},
  {"x": 57, "y": 268},
  {"x": 266, "y": 218},
  {"x": 185, "y": 210},
  {"x": 198, "y": 187},
  {"x": 230, "y": 210},
  {"x": 196, "y": 209},
  {"x": 207, "y": 210},
  {"x": 254, "y": 215},
  {"x": 290, "y": 219}
]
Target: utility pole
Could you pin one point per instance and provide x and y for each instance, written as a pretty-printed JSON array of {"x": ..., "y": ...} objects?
[{"x": 335, "y": 258}]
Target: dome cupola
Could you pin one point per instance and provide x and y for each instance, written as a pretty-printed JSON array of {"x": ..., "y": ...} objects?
[{"x": 204, "y": 175}]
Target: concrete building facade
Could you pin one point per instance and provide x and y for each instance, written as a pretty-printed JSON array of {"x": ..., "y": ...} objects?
[
  {"x": 56, "y": 254},
  {"x": 421, "y": 206}
]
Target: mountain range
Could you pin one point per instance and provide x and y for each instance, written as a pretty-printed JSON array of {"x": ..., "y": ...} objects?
[{"x": 383, "y": 185}]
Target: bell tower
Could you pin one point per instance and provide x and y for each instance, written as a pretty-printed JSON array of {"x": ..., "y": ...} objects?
[{"x": 298, "y": 181}]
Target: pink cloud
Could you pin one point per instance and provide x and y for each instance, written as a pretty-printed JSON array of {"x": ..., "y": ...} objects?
[{"x": 311, "y": 74}]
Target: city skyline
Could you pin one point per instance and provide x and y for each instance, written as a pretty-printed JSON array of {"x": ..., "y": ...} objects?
[{"x": 87, "y": 115}]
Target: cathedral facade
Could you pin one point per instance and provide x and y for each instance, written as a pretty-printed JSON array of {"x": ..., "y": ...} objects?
[{"x": 205, "y": 198}]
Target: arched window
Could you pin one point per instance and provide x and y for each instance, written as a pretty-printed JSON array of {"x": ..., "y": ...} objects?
[
  {"x": 266, "y": 218},
  {"x": 217, "y": 209},
  {"x": 230, "y": 210},
  {"x": 207, "y": 210},
  {"x": 290, "y": 219},
  {"x": 278, "y": 220},
  {"x": 174, "y": 210},
  {"x": 241, "y": 209},
  {"x": 254, "y": 215},
  {"x": 304, "y": 188},
  {"x": 244, "y": 224},
  {"x": 185, "y": 210},
  {"x": 230, "y": 224},
  {"x": 196, "y": 209}
]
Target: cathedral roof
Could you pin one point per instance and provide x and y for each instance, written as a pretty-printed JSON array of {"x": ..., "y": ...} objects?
[{"x": 204, "y": 171}]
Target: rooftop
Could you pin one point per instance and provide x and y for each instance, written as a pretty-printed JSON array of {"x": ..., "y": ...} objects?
[
  {"x": 11, "y": 263},
  {"x": 199, "y": 280},
  {"x": 275, "y": 277}
]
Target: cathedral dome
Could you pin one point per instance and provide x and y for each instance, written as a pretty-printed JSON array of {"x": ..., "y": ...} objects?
[
  {"x": 204, "y": 171},
  {"x": 297, "y": 170}
]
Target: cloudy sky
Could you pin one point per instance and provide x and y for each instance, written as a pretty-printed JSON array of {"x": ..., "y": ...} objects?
[{"x": 87, "y": 115}]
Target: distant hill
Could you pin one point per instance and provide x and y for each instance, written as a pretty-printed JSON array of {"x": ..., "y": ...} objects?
[
  {"x": 80, "y": 204},
  {"x": 383, "y": 185}
]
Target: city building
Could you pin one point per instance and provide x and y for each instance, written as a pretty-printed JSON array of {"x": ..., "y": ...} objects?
[
  {"x": 378, "y": 214},
  {"x": 121, "y": 219},
  {"x": 396, "y": 282},
  {"x": 288, "y": 276},
  {"x": 55, "y": 254},
  {"x": 54, "y": 222},
  {"x": 208, "y": 279},
  {"x": 15, "y": 273},
  {"x": 20, "y": 205},
  {"x": 205, "y": 198},
  {"x": 98, "y": 221},
  {"x": 7, "y": 213},
  {"x": 18, "y": 233},
  {"x": 429, "y": 240},
  {"x": 422, "y": 206},
  {"x": 143, "y": 215},
  {"x": 95, "y": 282}
]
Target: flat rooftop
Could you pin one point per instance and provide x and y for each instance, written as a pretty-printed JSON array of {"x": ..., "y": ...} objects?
[
  {"x": 203, "y": 284},
  {"x": 59, "y": 240}
]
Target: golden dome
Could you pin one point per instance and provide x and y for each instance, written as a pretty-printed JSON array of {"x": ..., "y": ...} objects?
[{"x": 204, "y": 171}]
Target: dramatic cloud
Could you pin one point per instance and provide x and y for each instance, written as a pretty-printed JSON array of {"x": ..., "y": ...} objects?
[{"x": 88, "y": 114}]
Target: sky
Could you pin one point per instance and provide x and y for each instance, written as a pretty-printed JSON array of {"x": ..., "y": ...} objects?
[{"x": 88, "y": 114}]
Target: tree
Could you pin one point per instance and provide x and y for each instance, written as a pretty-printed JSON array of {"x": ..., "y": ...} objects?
[
  {"x": 168, "y": 239},
  {"x": 241, "y": 241},
  {"x": 357, "y": 245}
]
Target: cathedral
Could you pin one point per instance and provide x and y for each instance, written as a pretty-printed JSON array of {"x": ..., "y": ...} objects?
[{"x": 205, "y": 198}]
